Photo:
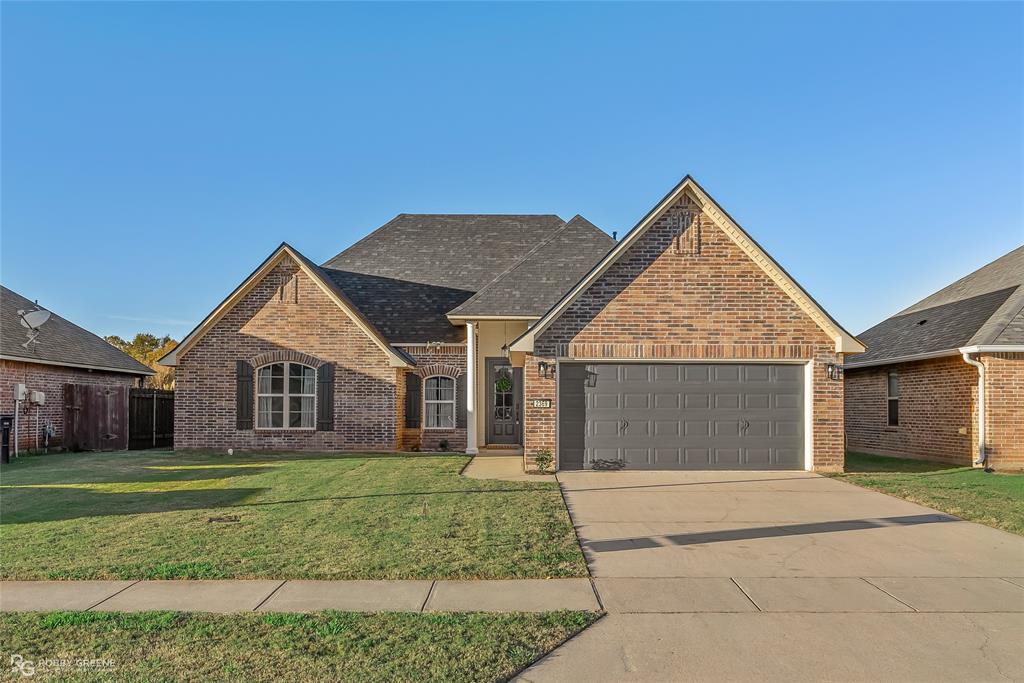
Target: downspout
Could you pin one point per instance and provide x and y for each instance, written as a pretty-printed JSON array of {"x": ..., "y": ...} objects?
[{"x": 982, "y": 455}]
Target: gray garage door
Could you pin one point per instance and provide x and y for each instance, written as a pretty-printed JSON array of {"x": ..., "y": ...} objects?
[{"x": 681, "y": 416}]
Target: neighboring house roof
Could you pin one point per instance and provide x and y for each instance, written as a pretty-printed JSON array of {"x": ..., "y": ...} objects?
[
  {"x": 983, "y": 309},
  {"x": 844, "y": 341},
  {"x": 532, "y": 285},
  {"x": 457, "y": 251},
  {"x": 60, "y": 341},
  {"x": 320, "y": 277}
]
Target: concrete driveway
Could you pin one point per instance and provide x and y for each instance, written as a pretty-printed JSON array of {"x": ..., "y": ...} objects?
[{"x": 730, "y": 576}]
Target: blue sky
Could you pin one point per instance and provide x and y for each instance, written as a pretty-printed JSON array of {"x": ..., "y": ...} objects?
[{"x": 154, "y": 154}]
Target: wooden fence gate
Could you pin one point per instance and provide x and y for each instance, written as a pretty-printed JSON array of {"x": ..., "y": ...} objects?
[
  {"x": 95, "y": 418},
  {"x": 150, "y": 418}
]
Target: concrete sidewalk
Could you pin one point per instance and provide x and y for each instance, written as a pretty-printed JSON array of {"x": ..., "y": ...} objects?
[
  {"x": 523, "y": 595},
  {"x": 502, "y": 468}
]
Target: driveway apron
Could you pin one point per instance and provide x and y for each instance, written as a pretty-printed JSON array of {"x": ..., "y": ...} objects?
[{"x": 732, "y": 576}]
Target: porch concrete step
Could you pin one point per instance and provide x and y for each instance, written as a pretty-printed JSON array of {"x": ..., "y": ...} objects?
[{"x": 500, "y": 451}]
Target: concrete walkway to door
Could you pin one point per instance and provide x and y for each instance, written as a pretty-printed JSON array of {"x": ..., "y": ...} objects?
[{"x": 786, "y": 576}]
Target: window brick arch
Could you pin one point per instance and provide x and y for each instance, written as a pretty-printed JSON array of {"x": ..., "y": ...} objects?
[
  {"x": 285, "y": 355},
  {"x": 439, "y": 369}
]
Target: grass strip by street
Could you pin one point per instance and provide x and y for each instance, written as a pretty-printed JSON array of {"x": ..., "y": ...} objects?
[
  {"x": 164, "y": 515},
  {"x": 342, "y": 646},
  {"x": 992, "y": 498}
]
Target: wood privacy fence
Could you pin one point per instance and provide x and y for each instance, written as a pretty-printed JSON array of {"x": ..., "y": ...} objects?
[
  {"x": 98, "y": 418},
  {"x": 95, "y": 418},
  {"x": 150, "y": 418}
]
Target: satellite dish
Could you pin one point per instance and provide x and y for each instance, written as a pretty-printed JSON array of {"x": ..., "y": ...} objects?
[{"x": 33, "y": 320}]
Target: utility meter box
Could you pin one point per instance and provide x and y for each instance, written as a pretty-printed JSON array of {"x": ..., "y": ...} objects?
[
  {"x": 20, "y": 392},
  {"x": 37, "y": 397}
]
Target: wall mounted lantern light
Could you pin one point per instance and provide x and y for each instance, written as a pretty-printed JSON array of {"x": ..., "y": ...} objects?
[
  {"x": 545, "y": 369},
  {"x": 834, "y": 372}
]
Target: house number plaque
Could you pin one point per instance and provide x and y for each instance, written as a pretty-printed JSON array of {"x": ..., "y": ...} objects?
[{"x": 542, "y": 403}]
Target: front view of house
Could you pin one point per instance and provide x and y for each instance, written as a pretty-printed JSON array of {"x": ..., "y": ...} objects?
[{"x": 681, "y": 346}]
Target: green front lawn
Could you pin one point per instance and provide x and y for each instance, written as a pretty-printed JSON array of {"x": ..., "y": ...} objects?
[
  {"x": 150, "y": 514},
  {"x": 337, "y": 646},
  {"x": 995, "y": 499}
]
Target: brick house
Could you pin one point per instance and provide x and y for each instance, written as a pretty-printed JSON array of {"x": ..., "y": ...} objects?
[
  {"x": 62, "y": 353},
  {"x": 682, "y": 346},
  {"x": 915, "y": 393}
]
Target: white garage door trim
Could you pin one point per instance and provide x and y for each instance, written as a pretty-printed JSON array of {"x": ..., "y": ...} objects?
[{"x": 808, "y": 391}]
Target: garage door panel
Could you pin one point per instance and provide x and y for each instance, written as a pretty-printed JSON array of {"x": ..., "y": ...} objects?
[
  {"x": 697, "y": 428},
  {"x": 603, "y": 428},
  {"x": 688, "y": 416},
  {"x": 785, "y": 428},
  {"x": 667, "y": 456},
  {"x": 757, "y": 401},
  {"x": 633, "y": 373},
  {"x": 789, "y": 456},
  {"x": 696, "y": 401},
  {"x": 757, "y": 428},
  {"x": 727, "y": 456},
  {"x": 727, "y": 401},
  {"x": 757, "y": 373},
  {"x": 636, "y": 456},
  {"x": 636, "y": 401},
  {"x": 636, "y": 429},
  {"x": 700, "y": 374},
  {"x": 758, "y": 456},
  {"x": 727, "y": 428},
  {"x": 666, "y": 428},
  {"x": 788, "y": 401},
  {"x": 666, "y": 401},
  {"x": 789, "y": 373},
  {"x": 668, "y": 374}
]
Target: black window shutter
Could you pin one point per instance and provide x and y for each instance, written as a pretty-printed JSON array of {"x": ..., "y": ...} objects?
[
  {"x": 460, "y": 401},
  {"x": 325, "y": 398},
  {"x": 243, "y": 395},
  {"x": 413, "y": 393}
]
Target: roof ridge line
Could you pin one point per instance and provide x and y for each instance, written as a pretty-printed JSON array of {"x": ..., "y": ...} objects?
[
  {"x": 521, "y": 261},
  {"x": 1015, "y": 308},
  {"x": 365, "y": 237}
]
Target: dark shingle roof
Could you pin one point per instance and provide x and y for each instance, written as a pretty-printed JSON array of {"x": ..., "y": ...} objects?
[
  {"x": 544, "y": 275},
  {"x": 402, "y": 311},
  {"x": 59, "y": 342},
  {"x": 456, "y": 251},
  {"x": 983, "y": 308}
]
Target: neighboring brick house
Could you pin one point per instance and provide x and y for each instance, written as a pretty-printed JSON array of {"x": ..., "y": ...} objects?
[
  {"x": 62, "y": 353},
  {"x": 915, "y": 392},
  {"x": 682, "y": 346}
]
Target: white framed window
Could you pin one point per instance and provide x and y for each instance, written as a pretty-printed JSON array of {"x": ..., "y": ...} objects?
[
  {"x": 439, "y": 403},
  {"x": 285, "y": 396},
  {"x": 892, "y": 398}
]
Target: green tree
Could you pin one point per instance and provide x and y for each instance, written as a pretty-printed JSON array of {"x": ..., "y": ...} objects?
[{"x": 148, "y": 349}]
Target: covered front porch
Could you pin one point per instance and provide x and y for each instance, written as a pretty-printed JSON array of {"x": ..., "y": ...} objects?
[{"x": 494, "y": 386}]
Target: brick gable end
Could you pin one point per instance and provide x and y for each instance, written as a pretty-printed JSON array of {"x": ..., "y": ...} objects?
[
  {"x": 286, "y": 311},
  {"x": 685, "y": 291}
]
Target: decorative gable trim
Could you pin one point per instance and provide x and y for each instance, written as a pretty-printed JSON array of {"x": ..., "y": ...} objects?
[
  {"x": 285, "y": 251},
  {"x": 844, "y": 341}
]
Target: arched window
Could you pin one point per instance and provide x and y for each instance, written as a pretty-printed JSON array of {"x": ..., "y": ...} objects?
[
  {"x": 439, "y": 403},
  {"x": 285, "y": 396}
]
